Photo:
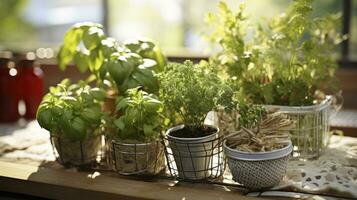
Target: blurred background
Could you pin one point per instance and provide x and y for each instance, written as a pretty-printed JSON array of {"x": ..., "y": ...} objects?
[
  {"x": 32, "y": 31},
  {"x": 177, "y": 25}
]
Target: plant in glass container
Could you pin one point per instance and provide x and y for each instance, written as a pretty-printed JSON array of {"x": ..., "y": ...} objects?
[
  {"x": 72, "y": 114},
  {"x": 190, "y": 91},
  {"x": 288, "y": 62},
  {"x": 258, "y": 149},
  {"x": 136, "y": 148}
]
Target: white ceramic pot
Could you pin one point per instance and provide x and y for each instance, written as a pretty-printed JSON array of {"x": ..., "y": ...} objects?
[{"x": 192, "y": 155}]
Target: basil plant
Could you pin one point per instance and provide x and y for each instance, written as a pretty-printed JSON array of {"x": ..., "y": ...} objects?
[
  {"x": 140, "y": 116},
  {"x": 121, "y": 66},
  {"x": 71, "y": 110}
]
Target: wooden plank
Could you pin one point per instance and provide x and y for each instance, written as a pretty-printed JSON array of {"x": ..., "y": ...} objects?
[{"x": 61, "y": 184}]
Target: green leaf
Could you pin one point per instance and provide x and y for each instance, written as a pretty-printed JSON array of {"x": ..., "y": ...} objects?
[
  {"x": 119, "y": 70},
  {"x": 98, "y": 94},
  {"x": 109, "y": 46},
  {"x": 93, "y": 37},
  {"x": 64, "y": 57},
  {"x": 119, "y": 123},
  {"x": 103, "y": 70},
  {"x": 92, "y": 114},
  {"x": 146, "y": 79},
  {"x": 148, "y": 130},
  {"x": 96, "y": 60},
  {"x": 72, "y": 39},
  {"x": 79, "y": 128},
  {"x": 81, "y": 61},
  {"x": 122, "y": 104},
  {"x": 44, "y": 118}
]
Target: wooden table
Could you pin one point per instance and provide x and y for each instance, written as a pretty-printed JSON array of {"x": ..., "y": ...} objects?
[{"x": 61, "y": 184}]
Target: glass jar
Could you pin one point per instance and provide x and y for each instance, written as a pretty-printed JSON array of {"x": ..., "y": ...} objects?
[
  {"x": 10, "y": 89},
  {"x": 31, "y": 77}
]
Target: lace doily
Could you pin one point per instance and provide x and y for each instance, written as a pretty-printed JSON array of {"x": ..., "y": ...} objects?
[{"x": 334, "y": 173}]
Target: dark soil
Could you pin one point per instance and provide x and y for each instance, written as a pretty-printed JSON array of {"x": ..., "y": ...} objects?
[{"x": 193, "y": 132}]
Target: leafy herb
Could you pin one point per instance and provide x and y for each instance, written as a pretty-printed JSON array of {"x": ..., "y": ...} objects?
[
  {"x": 287, "y": 61},
  {"x": 73, "y": 110},
  {"x": 141, "y": 118},
  {"x": 190, "y": 91},
  {"x": 124, "y": 66}
]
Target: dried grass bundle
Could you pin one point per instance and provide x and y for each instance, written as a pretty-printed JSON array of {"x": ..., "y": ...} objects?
[{"x": 271, "y": 133}]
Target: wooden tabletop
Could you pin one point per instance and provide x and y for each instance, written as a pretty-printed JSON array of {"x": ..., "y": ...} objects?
[{"x": 61, "y": 184}]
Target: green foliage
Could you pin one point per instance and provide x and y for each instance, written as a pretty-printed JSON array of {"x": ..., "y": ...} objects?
[
  {"x": 124, "y": 66},
  {"x": 141, "y": 119},
  {"x": 13, "y": 25},
  {"x": 147, "y": 49},
  {"x": 129, "y": 70},
  {"x": 73, "y": 110},
  {"x": 191, "y": 91},
  {"x": 286, "y": 61},
  {"x": 250, "y": 115}
]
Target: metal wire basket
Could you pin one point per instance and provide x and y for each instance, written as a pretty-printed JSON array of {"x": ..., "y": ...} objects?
[
  {"x": 138, "y": 159},
  {"x": 195, "y": 161},
  {"x": 85, "y": 153},
  {"x": 311, "y": 133}
]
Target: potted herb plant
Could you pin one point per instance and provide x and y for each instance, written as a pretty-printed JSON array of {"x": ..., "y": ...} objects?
[
  {"x": 289, "y": 62},
  {"x": 136, "y": 148},
  {"x": 116, "y": 67},
  {"x": 72, "y": 114},
  {"x": 190, "y": 91},
  {"x": 259, "y": 150}
]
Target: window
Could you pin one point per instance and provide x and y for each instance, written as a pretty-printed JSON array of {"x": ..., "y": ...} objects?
[
  {"x": 177, "y": 25},
  {"x": 28, "y": 25}
]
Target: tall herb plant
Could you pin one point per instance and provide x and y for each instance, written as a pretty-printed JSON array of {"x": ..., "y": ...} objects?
[{"x": 288, "y": 59}]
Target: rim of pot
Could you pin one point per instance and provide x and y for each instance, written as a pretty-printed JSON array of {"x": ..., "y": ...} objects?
[
  {"x": 258, "y": 156},
  {"x": 181, "y": 126},
  {"x": 134, "y": 144}
]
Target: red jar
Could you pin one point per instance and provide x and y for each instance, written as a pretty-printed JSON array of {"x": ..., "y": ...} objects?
[
  {"x": 31, "y": 77},
  {"x": 10, "y": 89}
]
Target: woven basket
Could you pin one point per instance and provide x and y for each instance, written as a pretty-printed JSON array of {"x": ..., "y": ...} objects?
[{"x": 259, "y": 169}]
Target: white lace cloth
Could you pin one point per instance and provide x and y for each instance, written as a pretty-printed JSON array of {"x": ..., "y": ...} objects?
[{"x": 333, "y": 173}]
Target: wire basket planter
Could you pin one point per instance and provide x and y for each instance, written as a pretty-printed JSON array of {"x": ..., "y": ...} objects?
[
  {"x": 74, "y": 153},
  {"x": 195, "y": 161},
  {"x": 311, "y": 133},
  {"x": 138, "y": 159}
]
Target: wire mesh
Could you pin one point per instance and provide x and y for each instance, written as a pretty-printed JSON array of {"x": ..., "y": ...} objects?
[
  {"x": 311, "y": 133},
  {"x": 85, "y": 153},
  {"x": 195, "y": 161},
  {"x": 138, "y": 159}
]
